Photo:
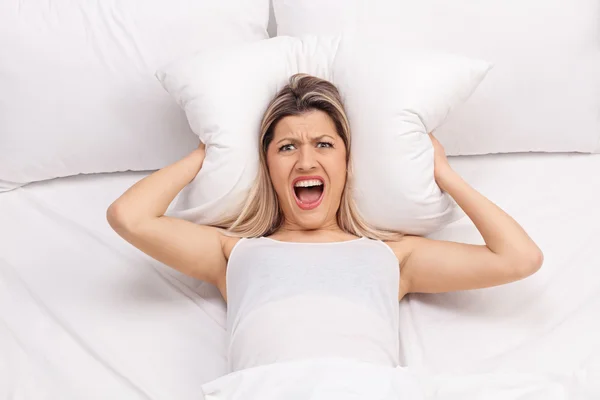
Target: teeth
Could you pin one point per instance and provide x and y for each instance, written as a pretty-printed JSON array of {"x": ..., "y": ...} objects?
[{"x": 308, "y": 183}]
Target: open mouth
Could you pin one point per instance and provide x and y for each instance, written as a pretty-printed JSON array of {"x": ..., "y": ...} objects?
[{"x": 308, "y": 192}]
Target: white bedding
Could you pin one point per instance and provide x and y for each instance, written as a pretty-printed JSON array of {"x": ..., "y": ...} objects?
[{"x": 85, "y": 315}]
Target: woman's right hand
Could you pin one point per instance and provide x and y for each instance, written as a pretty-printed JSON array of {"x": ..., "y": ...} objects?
[
  {"x": 150, "y": 197},
  {"x": 138, "y": 217},
  {"x": 195, "y": 160},
  {"x": 199, "y": 153},
  {"x": 201, "y": 149}
]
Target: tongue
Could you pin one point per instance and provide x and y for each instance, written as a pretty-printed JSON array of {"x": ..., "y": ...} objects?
[{"x": 309, "y": 195}]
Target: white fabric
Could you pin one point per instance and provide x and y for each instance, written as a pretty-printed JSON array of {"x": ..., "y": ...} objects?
[
  {"x": 83, "y": 315},
  {"x": 315, "y": 17},
  {"x": 316, "y": 379},
  {"x": 544, "y": 91},
  {"x": 543, "y": 324},
  {"x": 392, "y": 100},
  {"x": 78, "y": 93},
  {"x": 86, "y": 315},
  {"x": 289, "y": 301},
  {"x": 339, "y": 379}
]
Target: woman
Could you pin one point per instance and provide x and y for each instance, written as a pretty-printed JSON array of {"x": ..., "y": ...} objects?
[{"x": 303, "y": 274}]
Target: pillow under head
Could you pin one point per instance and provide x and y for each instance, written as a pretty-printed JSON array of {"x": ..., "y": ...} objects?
[{"x": 392, "y": 100}]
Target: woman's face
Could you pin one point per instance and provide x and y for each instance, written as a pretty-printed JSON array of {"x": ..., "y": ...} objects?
[{"x": 307, "y": 165}]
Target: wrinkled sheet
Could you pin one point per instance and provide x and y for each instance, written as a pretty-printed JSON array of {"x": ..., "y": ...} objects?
[
  {"x": 342, "y": 379},
  {"x": 85, "y": 315},
  {"x": 546, "y": 325},
  {"x": 322, "y": 378}
]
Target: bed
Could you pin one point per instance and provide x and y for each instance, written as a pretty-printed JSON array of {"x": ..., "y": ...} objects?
[{"x": 85, "y": 315}]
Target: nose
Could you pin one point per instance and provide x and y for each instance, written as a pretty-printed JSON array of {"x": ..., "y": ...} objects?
[{"x": 306, "y": 159}]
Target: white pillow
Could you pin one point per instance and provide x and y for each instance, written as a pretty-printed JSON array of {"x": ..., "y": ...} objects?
[
  {"x": 544, "y": 91},
  {"x": 77, "y": 86},
  {"x": 392, "y": 99}
]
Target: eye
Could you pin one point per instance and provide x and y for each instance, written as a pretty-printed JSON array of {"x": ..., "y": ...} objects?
[
  {"x": 286, "y": 147},
  {"x": 325, "y": 145}
]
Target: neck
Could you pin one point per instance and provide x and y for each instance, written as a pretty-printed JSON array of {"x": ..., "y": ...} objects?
[{"x": 290, "y": 228}]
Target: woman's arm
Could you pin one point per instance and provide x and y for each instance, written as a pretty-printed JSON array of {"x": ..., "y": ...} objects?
[
  {"x": 432, "y": 266},
  {"x": 138, "y": 217}
]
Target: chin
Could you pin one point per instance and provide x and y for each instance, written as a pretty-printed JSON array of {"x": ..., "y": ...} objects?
[
  {"x": 311, "y": 225},
  {"x": 311, "y": 222}
]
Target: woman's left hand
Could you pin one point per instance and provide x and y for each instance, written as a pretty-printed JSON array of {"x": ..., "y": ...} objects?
[
  {"x": 441, "y": 165},
  {"x": 435, "y": 266}
]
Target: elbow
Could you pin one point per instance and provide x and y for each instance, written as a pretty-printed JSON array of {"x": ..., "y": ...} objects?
[
  {"x": 534, "y": 263},
  {"x": 117, "y": 218},
  {"x": 124, "y": 220},
  {"x": 528, "y": 263}
]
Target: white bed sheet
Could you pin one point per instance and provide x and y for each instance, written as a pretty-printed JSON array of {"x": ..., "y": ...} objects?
[
  {"x": 547, "y": 324},
  {"x": 85, "y": 315}
]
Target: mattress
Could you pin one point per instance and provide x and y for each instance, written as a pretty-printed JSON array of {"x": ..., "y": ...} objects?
[{"x": 83, "y": 314}]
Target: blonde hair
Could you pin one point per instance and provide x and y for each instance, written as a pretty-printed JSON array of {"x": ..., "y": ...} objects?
[{"x": 261, "y": 214}]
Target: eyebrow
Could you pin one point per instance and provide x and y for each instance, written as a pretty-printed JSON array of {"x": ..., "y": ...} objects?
[{"x": 315, "y": 139}]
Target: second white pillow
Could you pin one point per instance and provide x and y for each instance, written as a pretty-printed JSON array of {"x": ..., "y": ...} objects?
[{"x": 393, "y": 99}]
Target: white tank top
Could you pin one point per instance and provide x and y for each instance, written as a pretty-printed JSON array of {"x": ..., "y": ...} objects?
[{"x": 290, "y": 301}]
